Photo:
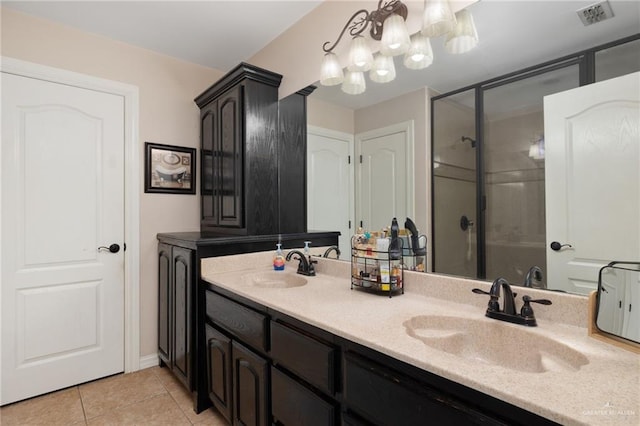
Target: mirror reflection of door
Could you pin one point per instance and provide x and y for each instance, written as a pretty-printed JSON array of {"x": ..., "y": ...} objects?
[
  {"x": 619, "y": 300},
  {"x": 592, "y": 205},
  {"x": 384, "y": 173},
  {"x": 330, "y": 183}
]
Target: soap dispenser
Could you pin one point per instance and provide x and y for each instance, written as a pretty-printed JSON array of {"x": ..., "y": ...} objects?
[
  {"x": 306, "y": 250},
  {"x": 278, "y": 259}
]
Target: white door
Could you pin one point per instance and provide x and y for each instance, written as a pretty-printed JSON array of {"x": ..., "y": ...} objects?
[
  {"x": 62, "y": 198},
  {"x": 591, "y": 204},
  {"x": 384, "y": 176},
  {"x": 330, "y": 184}
]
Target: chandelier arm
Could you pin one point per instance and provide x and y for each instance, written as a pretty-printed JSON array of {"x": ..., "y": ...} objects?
[
  {"x": 385, "y": 8},
  {"x": 354, "y": 27}
]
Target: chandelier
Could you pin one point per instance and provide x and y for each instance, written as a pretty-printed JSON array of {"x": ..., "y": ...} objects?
[{"x": 387, "y": 25}]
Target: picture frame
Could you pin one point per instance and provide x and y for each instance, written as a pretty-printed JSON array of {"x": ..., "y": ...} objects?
[{"x": 169, "y": 169}]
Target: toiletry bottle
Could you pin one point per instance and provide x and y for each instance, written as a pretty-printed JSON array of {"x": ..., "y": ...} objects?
[
  {"x": 394, "y": 245},
  {"x": 278, "y": 259},
  {"x": 306, "y": 249}
]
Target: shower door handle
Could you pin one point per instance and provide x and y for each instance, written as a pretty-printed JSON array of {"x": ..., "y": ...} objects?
[{"x": 465, "y": 222}]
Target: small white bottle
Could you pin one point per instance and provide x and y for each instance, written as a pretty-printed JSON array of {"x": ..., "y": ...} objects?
[{"x": 306, "y": 250}]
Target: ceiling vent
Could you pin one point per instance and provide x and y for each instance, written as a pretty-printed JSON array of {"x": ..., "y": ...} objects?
[{"x": 595, "y": 13}]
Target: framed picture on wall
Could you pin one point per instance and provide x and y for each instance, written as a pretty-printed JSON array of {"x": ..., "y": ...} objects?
[{"x": 169, "y": 169}]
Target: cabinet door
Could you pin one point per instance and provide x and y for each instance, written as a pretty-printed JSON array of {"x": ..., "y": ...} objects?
[
  {"x": 219, "y": 371},
  {"x": 182, "y": 270},
  {"x": 249, "y": 387},
  {"x": 231, "y": 159},
  {"x": 164, "y": 303},
  {"x": 209, "y": 130}
]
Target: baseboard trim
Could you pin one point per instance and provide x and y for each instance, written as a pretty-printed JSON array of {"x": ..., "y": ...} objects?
[{"x": 149, "y": 361}]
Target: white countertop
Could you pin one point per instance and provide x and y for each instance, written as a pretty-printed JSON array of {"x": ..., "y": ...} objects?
[{"x": 605, "y": 391}]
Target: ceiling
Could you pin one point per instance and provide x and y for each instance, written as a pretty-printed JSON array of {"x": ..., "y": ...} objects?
[{"x": 219, "y": 34}]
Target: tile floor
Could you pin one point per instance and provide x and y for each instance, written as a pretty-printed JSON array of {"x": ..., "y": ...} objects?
[{"x": 147, "y": 397}]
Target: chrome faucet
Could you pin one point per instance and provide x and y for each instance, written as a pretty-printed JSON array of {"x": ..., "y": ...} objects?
[
  {"x": 534, "y": 273},
  {"x": 508, "y": 312},
  {"x": 305, "y": 267},
  {"x": 330, "y": 249}
]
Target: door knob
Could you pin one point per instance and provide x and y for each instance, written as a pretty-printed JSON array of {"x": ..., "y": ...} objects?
[
  {"x": 113, "y": 248},
  {"x": 556, "y": 246}
]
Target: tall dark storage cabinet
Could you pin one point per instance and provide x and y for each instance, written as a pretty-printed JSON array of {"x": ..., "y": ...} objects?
[
  {"x": 239, "y": 131},
  {"x": 253, "y": 153}
]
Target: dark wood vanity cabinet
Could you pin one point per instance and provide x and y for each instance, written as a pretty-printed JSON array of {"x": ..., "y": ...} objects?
[
  {"x": 174, "y": 307},
  {"x": 278, "y": 375},
  {"x": 232, "y": 365},
  {"x": 298, "y": 375},
  {"x": 186, "y": 344},
  {"x": 237, "y": 380}
]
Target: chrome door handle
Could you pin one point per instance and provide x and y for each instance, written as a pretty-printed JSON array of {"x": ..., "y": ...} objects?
[{"x": 113, "y": 248}]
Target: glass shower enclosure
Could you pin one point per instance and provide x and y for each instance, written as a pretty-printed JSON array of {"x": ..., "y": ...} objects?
[{"x": 488, "y": 175}]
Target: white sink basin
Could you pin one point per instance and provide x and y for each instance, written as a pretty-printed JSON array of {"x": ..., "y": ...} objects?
[
  {"x": 494, "y": 343},
  {"x": 274, "y": 279}
]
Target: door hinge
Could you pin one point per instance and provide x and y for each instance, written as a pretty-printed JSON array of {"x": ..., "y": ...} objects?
[
  {"x": 360, "y": 224},
  {"x": 360, "y": 158},
  {"x": 348, "y": 159},
  {"x": 349, "y": 224}
]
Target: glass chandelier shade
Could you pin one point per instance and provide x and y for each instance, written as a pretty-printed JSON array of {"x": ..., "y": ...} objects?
[
  {"x": 330, "y": 71},
  {"x": 438, "y": 18},
  {"x": 395, "y": 37},
  {"x": 354, "y": 83},
  {"x": 420, "y": 54},
  {"x": 383, "y": 70},
  {"x": 360, "y": 56},
  {"x": 464, "y": 37}
]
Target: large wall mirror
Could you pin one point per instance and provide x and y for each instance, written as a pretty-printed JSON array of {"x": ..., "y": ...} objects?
[{"x": 479, "y": 136}]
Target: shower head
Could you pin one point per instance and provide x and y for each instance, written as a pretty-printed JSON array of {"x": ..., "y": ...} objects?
[{"x": 468, "y": 139}]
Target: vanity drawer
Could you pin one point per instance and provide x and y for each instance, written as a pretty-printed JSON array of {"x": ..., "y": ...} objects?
[
  {"x": 308, "y": 358},
  {"x": 293, "y": 404},
  {"x": 246, "y": 324},
  {"x": 388, "y": 397}
]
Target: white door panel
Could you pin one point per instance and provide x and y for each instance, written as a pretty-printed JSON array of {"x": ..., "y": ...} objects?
[
  {"x": 385, "y": 176},
  {"x": 62, "y": 198},
  {"x": 583, "y": 126},
  {"x": 330, "y": 183}
]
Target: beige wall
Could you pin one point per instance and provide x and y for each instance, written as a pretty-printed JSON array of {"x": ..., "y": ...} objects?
[
  {"x": 168, "y": 115},
  {"x": 330, "y": 116}
]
